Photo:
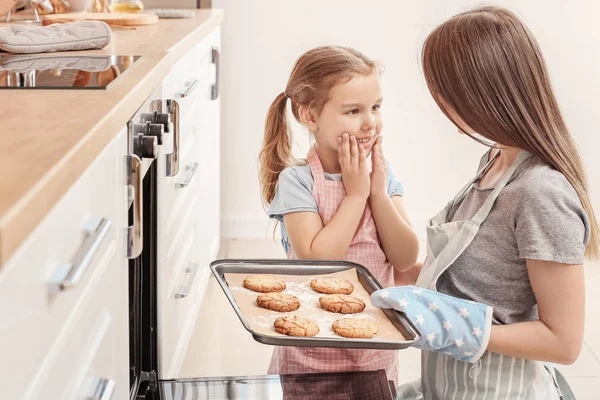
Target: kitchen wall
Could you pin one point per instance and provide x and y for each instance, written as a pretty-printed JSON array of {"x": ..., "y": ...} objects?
[{"x": 262, "y": 39}]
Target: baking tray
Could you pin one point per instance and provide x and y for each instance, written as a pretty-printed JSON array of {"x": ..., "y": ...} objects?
[{"x": 314, "y": 267}]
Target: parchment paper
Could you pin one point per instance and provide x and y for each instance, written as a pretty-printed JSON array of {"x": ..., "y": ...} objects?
[{"x": 261, "y": 320}]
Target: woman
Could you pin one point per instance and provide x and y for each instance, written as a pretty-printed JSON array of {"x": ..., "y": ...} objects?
[{"x": 514, "y": 239}]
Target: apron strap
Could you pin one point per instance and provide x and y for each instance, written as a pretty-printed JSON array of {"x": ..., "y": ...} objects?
[
  {"x": 486, "y": 208},
  {"x": 469, "y": 186},
  {"x": 315, "y": 165}
]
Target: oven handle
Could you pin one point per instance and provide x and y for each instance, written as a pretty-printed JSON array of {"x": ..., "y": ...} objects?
[
  {"x": 134, "y": 232},
  {"x": 68, "y": 275},
  {"x": 173, "y": 158}
]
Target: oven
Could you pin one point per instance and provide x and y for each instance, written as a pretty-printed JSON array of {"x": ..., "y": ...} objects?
[{"x": 150, "y": 137}]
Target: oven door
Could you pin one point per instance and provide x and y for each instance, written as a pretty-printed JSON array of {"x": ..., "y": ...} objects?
[
  {"x": 142, "y": 297},
  {"x": 362, "y": 385}
]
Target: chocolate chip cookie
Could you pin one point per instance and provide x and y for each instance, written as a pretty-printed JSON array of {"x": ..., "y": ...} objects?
[
  {"x": 341, "y": 303},
  {"x": 264, "y": 284},
  {"x": 355, "y": 328},
  {"x": 293, "y": 325},
  {"x": 281, "y": 302},
  {"x": 330, "y": 285}
]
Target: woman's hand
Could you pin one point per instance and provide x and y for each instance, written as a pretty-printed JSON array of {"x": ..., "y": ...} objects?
[
  {"x": 455, "y": 327},
  {"x": 353, "y": 162},
  {"x": 379, "y": 170}
]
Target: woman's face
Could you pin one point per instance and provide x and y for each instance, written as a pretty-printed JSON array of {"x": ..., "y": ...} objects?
[{"x": 354, "y": 107}]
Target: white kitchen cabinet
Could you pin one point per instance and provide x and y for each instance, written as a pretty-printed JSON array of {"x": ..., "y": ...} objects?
[
  {"x": 188, "y": 202},
  {"x": 59, "y": 337}
]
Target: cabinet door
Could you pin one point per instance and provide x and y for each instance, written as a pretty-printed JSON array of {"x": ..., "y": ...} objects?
[
  {"x": 52, "y": 338},
  {"x": 188, "y": 204}
]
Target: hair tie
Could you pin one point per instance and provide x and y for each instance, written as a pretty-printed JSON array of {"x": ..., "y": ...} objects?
[{"x": 285, "y": 94}]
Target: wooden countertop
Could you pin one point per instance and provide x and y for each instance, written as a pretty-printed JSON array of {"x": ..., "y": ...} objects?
[{"x": 49, "y": 137}]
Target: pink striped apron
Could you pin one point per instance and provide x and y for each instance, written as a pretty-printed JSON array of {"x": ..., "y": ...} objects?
[{"x": 366, "y": 250}]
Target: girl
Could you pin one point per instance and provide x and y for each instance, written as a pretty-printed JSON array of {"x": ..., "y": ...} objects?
[
  {"x": 515, "y": 237},
  {"x": 332, "y": 206}
]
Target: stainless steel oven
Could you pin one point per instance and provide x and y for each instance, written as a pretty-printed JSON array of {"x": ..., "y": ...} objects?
[{"x": 149, "y": 136}]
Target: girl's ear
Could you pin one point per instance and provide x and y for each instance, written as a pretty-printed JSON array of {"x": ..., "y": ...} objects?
[{"x": 308, "y": 118}]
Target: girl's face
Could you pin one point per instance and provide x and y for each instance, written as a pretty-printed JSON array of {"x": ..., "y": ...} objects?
[{"x": 354, "y": 107}]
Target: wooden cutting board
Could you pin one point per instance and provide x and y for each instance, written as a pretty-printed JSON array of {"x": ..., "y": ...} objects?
[{"x": 122, "y": 19}]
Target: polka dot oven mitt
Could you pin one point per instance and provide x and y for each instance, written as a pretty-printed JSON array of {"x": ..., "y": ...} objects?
[{"x": 455, "y": 327}]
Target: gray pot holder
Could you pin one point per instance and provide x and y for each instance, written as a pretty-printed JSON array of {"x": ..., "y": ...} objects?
[{"x": 81, "y": 35}]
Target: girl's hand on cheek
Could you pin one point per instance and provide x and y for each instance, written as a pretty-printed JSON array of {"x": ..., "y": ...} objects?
[
  {"x": 353, "y": 162},
  {"x": 379, "y": 170}
]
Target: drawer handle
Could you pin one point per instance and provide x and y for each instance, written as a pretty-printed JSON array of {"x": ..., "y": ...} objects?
[
  {"x": 68, "y": 275},
  {"x": 184, "y": 290},
  {"x": 190, "y": 89},
  {"x": 190, "y": 175},
  {"x": 102, "y": 389},
  {"x": 134, "y": 232},
  {"x": 216, "y": 57},
  {"x": 173, "y": 158}
]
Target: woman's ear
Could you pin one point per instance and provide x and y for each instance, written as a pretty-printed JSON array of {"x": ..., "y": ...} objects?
[{"x": 308, "y": 118}]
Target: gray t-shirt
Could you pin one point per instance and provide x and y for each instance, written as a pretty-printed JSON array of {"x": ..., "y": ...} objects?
[
  {"x": 538, "y": 216},
  {"x": 294, "y": 194}
]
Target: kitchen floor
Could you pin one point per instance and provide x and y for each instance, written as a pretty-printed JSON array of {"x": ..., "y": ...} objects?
[{"x": 220, "y": 346}]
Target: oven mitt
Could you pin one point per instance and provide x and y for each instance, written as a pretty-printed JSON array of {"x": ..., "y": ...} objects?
[
  {"x": 25, "y": 63},
  {"x": 79, "y": 35},
  {"x": 455, "y": 327}
]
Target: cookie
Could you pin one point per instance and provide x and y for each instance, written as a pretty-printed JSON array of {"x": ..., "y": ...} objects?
[
  {"x": 355, "y": 328},
  {"x": 341, "y": 303},
  {"x": 293, "y": 325},
  {"x": 264, "y": 284},
  {"x": 281, "y": 302},
  {"x": 331, "y": 286}
]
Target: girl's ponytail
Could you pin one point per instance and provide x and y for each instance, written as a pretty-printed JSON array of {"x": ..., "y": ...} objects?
[{"x": 276, "y": 153}]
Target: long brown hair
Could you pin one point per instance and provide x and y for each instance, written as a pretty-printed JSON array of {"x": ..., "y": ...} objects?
[
  {"x": 314, "y": 74},
  {"x": 486, "y": 65}
]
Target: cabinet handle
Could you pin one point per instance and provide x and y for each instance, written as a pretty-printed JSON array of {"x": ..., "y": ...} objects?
[
  {"x": 173, "y": 158},
  {"x": 190, "y": 89},
  {"x": 134, "y": 232},
  {"x": 69, "y": 275},
  {"x": 184, "y": 290},
  {"x": 216, "y": 56},
  {"x": 101, "y": 389},
  {"x": 190, "y": 175}
]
